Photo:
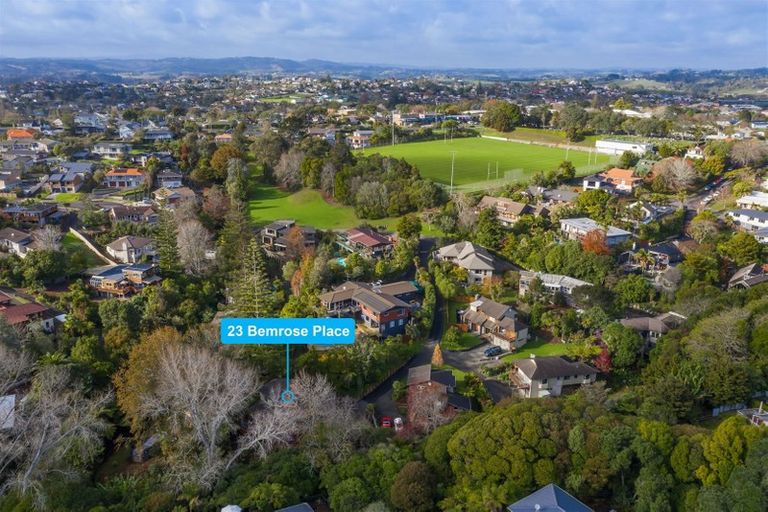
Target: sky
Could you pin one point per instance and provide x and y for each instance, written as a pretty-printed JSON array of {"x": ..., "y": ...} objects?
[{"x": 575, "y": 34}]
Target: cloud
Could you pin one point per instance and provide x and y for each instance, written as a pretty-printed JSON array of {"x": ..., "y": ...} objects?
[{"x": 435, "y": 33}]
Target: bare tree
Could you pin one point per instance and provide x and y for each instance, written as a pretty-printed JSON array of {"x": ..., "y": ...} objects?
[
  {"x": 216, "y": 203},
  {"x": 749, "y": 153},
  {"x": 676, "y": 174},
  {"x": 199, "y": 397},
  {"x": 193, "y": 241},
  {"x": 288, "y": 170},
  {"x": 15, "y": 369},
  {"x": 328, "y": 178},
  {"x": 54, "y": 425},
  {"x": 426, "y": 407},
  {"x": 466, "y": 217},
  {"x": 48, "y": 238}
]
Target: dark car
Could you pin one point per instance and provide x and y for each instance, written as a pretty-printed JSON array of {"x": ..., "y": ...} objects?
[{"x": 492, "y": 351}]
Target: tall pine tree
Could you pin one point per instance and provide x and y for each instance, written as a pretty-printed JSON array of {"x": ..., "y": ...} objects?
[
  {"x": 252, "y": 293},
  {"x": 233, "y": 237},
  {"x": 167, "y": 245}
]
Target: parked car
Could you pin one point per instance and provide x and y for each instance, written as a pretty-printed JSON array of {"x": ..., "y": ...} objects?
[
  {"x": 398, "y": 424},
  {"x": 492, "y": 351},
  {"x": 386, "y": 422}
]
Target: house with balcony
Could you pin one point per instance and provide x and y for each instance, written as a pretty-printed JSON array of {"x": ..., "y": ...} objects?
[
  {"x": 366, "y": 242},
  {"x": 37, "y": 214},
  {"x": 382, "y": 308},
  {"x": 15, "y": 241},
  {"x": 476, "y": 260},
  {"x": 124, "y": 178},
  {"x": 143, "y": 214},
  {"x": 120, "y": 281},
  {"x": 171, "y": 198},
  {"x": 131, "y": 249},
  {"x": 24, "y": 315},
  {"x": 495, "y": 322},
  {"x": 578, "y": 228},
  {"x": 614, "y": 180},
  {"x": 551, "y": 284},
  {"x": 275, "y": 236},
  {"x": 509, "y": 212},
  {"x": 360, "y": 139},
  {"x": 651, "y": 328},
  {"x": 115, "y": 150},
  {"x": 750, "y": 220},
  {"x": 169, "y": 179},
  {"x": 539, "y": 377}
]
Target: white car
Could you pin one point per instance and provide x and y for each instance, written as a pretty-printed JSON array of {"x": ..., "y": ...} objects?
[{"x": 398, "y": 424}]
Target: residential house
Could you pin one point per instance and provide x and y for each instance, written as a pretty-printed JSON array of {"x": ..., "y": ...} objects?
[
  {"x": 20, "y": 133},
  {"x": 552, "y": 196},
  {"x": 127, "y": 130},
  {"x": 173, "y": 197},
  {"x": 10, "y": 179},
  {"x": 301, "y": 507},
  {"x": 223, "y": 138},
  {"x": 495, "y": 322},
  {"x": 476, "y": 260},
  {"x": 549, "y": 498},
  {"x": 24, "y": 315},
  {"x": 749, "y": 219},
  {"x": 643, "y": 212},
  {"x": 695, "y": 153},
  {"x": 659, "y": 257},
  {"x": 124, "y": 178},
  {"x": 613, "y": 180},
  {"x": 326, "y": 134},
  {"x": 651, "y": 328},
  {"x": 169, "y": 179},
  {"x": 119, "y": 281},
  {"x": 146, "y": 214},
  {"x": 158, "y": 134},
  {"x": 360, "y": 139},
  {"x": 432, "y": 398},
  {"x": 275, "y": 236},
  {"x": 756, "y": 416},
  {"x": 131, "y": 249},
  {"x": 755, "y": 199},
  {"x": 111, "y": 149},
  {"x": 509, "y": 212},
  {"x": 618, "y": 147},
  {"x": 578, "y": 228},
  {"x": 538, "y": 377},
  {"x": 367, "y": 242},
  {"x": 749, "y": 276},
  {"x": 15, "y": 241},
  {"x": 379, "y": 307},
  {"x": 38, "y": 214},
  {"x": 59, "y": 182},
  {"x": 551, "y": 284}
]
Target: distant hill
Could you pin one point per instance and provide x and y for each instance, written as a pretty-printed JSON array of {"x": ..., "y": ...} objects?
[{"x": 112, "y": 70}]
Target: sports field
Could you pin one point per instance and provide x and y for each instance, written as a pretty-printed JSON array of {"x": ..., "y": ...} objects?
[{"x": 516, "y": 162}]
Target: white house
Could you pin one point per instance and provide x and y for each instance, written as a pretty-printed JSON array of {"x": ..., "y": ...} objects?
[
  {"x": 759, "y": 199},
  {"x": 131, "y": 249},
  {"x": 360, "y": 139},
  {"x": 618, "y": 147},
  {"x": 15, "y": 241},
  {"x": 552, "y": 283},
  {"x": 695, "y": 153},
  {"x": 477, "y": 261},
  {"x": 538, "y": 377},
  {"x": 750, "y": 219},
  {"x": 577, "y": 229},
  {"x": 112, "y": 149}
]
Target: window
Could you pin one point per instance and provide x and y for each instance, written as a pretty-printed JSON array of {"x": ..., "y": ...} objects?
[
  {"x": 401, "y": 322},
  {"x": 543, "y": 381},
  {"x": 392, "y": 323}
]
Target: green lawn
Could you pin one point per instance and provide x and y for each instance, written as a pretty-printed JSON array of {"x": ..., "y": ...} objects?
[
  {"x": 473, "y": 155},
  {"x": 72, "y": 245},
  {"x": 460, "y": 376},
  {"x": 539, "y": 348},
  {"x": 66, "y": 197},
  {"x": 307, "y": 206}
]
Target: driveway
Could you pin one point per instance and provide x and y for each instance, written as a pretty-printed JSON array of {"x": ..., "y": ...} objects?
[{"x": 471, "y": 361}]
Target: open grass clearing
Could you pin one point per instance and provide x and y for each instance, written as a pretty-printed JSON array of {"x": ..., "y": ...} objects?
[
  {"x": 538, "y": 347},
  {"x": 473, "y": 156}
]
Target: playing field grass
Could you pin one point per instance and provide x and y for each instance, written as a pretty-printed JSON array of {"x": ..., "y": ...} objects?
[{"x": 517, "y": 162}]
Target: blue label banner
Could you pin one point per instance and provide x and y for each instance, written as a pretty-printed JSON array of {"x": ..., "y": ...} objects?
[{"x": 288, "y": 331}]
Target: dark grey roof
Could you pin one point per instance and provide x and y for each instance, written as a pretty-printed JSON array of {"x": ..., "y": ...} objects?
[
  {"x": 669, "y": 249},
  {"x": 444, "y": 377},
  {"x": 537, "y": 368},
  {"x": 460, "y": 401},
  {"x": 549, "y": 498},
  {"x": 756, "y": 214},
  {"x": 301, "y": 507}
]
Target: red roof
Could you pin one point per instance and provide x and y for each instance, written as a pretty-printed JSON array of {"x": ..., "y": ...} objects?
[
  {"x": 20, "y": 313},
  {"x": 20, "y": 133},
  {"x": 367, "y": 237}
]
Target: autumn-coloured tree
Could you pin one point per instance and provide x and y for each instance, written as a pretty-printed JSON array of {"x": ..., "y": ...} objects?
[
  {"x": 603, "y": 361},
  {"x": 220, "y": 159},
  {"x": 294, "y": 243},
  {"x": 437, "y": 356},
  {"x": 594, "y": 242}
]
